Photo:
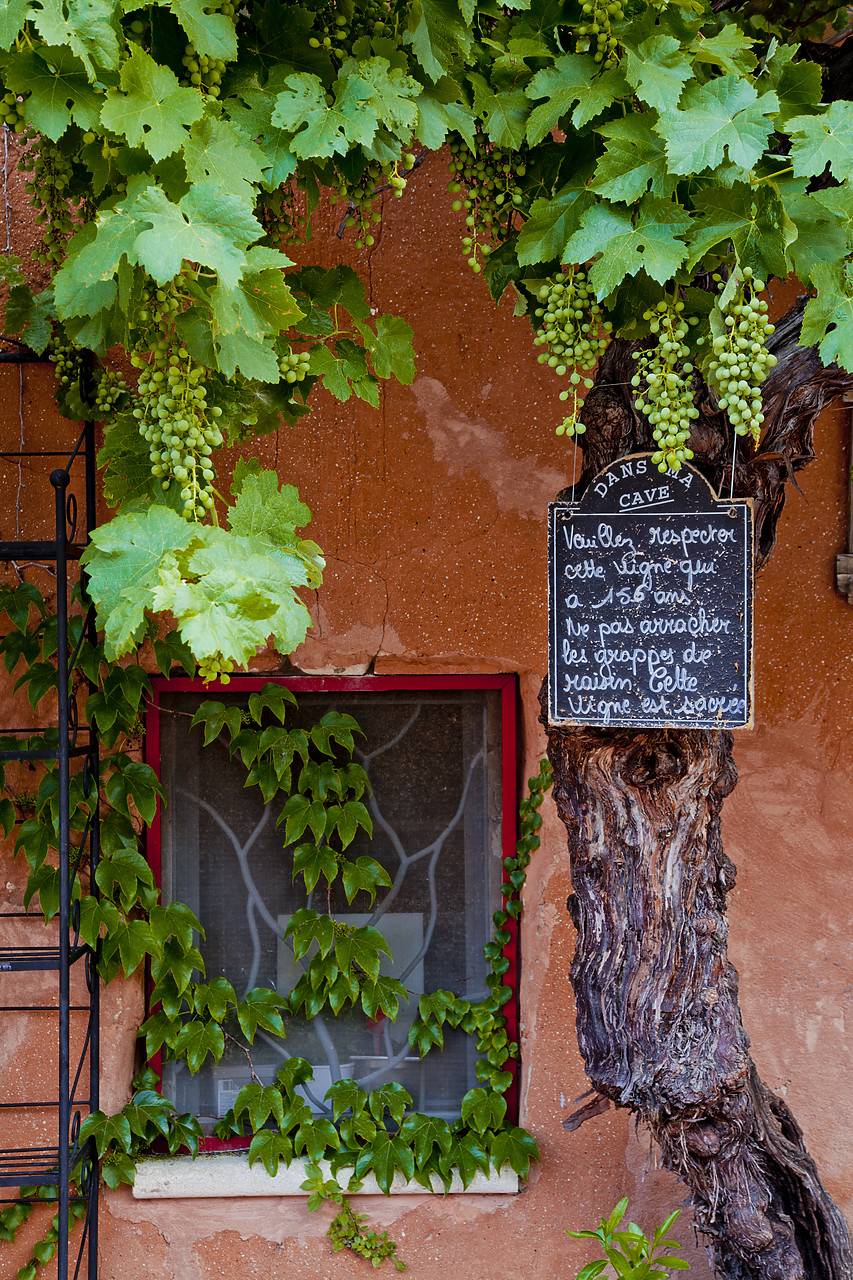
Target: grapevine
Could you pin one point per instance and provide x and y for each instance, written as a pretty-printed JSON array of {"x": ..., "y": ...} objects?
[
  {"x": 574, "y": 334},
  {"x": 363, "y": 213},
  {"x": 336, "y": 30},
  {"x": 283, "y": 215},
  {"x": 203, "y": 72},
  {"x": 486, "y": 186},
  {"x": 664, "y": 384},
  {"x": 294, "y": 365},
  {"x": 740, "y": 360}
]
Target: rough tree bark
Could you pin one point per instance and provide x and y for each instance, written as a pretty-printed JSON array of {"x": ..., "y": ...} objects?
[{"x": 659, "y": 1025}]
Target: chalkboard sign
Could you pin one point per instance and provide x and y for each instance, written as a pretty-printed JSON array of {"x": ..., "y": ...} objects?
[{"x": 650, "y": 602}]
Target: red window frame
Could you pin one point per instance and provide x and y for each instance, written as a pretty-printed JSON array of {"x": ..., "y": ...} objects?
[{"x": 505, "y": 684}]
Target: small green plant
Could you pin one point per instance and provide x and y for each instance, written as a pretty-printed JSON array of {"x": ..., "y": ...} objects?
[{"x": 631, "y": 1253}]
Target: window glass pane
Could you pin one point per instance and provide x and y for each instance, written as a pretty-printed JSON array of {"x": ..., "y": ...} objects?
[{"x": 433, "y": 758}]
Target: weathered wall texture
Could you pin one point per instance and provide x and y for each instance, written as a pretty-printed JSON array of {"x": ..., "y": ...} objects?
[{"x": 432, "y": 516}]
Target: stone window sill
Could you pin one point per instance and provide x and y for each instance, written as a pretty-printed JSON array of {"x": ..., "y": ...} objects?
[{"x": 222, "y": 1175}]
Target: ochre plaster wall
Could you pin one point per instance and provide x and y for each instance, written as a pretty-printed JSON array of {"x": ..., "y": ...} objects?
[{"x": 431, "y": 513}]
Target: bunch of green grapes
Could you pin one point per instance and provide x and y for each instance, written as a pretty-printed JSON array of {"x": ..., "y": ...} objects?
[
  {"x": 139, "y": 32},
  {"x": 574, "y": 333},
  {"x": 202, "y": 72},
  {"x": 11, "y": 111},
  {"x": 66, "y": 357},
  {"x": 177, "y": 422},
  {"x": 596, "y": 32},
  {"x": 486, "y": 183},
  {"x": 216, "y": 667},
  {"x": 110, "y": 391},
  {"x": 740, "y": 361},
  {"x": 336, "y": 30},
  {"x": 294, "y": 365},
  {"x": 51, "y": 174},
  {"x": 664, "y": 385},
  {"x": 363, "y": 196},
  {"x": 283, "y": 215}
]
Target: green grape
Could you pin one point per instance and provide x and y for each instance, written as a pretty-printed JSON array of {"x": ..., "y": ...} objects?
[
  {"x": 283, "y": 214},
  {"x": 50, "y": 176},
  {"x": 740, "y": 360},
  {"x": 596, "y": 31},
  {"x": 174, "y": 416},
  {"x": 574, "y": 334},
  {"x": 664, "y": 385},
  {"x": 365, "y": 210},
  {"x": 485, "y": 183},
  {"x": 11, "y": 111},
  {"x": 66, "y": 357},
  {"x": 216, "y": 667},
  {"x": 111, "y": 389},
  {"x": 336, "y": 29},
  {"x": 294, "y": 365}
]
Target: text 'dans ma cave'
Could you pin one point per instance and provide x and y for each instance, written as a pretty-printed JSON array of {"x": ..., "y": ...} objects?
[{"x": 650, "y": 603}]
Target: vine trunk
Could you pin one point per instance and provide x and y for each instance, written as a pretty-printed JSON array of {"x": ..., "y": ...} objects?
[{"x": 659, "y": 1024}]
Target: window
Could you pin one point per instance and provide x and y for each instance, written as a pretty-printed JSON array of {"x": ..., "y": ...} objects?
[{"x": 439, "y": 752}]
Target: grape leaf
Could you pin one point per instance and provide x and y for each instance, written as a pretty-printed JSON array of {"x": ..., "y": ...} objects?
[
  {"x": 13, "y": 15},
  {"x": 318, "y": 129},
  {"x": 797, "y": 82},
  {"x": 726, "y": 114},
  {"x": 575, "y": 78},
  {"x": 216, "y": 151},
  {"x": 211, "y": 33},
  {"x": 437, "y": 35},
  {"x": 264, "y": 510},
  {"x": 151, "y": 109},
  {"x": 622, "y": 245},
  {"x": 828, "y": 318},
  {"x": 58, "y": 90},
  {"x": 123, "y": 562},
  {"x": 439, "y": 111},
  {"x": 658, "y": 71},
  {"x": 729, "y": 49},
  {"x": 390, "y": 348},
  {"x": 754, "y": 219},
  {"x": 504, "y": 114},
  {"x": 250, "y": 106},
  {"x": 821, "y": 140},
  {"x": 242, "y": 336},
  {"x": 553, "y": 222},
  {"x": 392, "y": 93},
  {"x": 207, "y": 226},
  {"x": 89, "y": 30},
  {"x": 634, "y": 157}
]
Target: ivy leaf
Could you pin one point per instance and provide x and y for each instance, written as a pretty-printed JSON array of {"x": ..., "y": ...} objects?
[
  {"x": 634, "y": 158},
  {"x": 151, "y": 109},
  {"x": 514, "y": 1147},
  {"x": 259, "y": 1102},
  {"x": 346, "y": 1095},
  {"x": 211, "y": 33},
  {"x": 306, "y": 927},
  {"x": 273, "y": 697},
  {"x": 215, "y": 998},
  {"x": 301, "y": 812},
  {"x": 424, "y": 1133},
  {"x": 311, "y": 862},
  {"x": 483, "y": 1109},
  {"x": 316, "y": 1137},
  {"x": 365, "y": 875},
  {"x": 552, "y": 222},
  {"x": 57, "y": 90},
  {"x": 126, "y": 873},
  {"x": 270, "y": 1148},
  {"x": 726, "y": 114},
  {"x": 658, "y": 71},
  {"x": 828, "y": 318},
  {"x": 468, "y": 1155},
  {"x": 123, "y": 562},
  {"x": 197, "y": 1039},
  {"x": 626, "y": 244},
  {"x": 574, "y": 78},
  {"x": 384, "y": 1156},
  {"x": 821, "y": 140},
  {"x": 361, "y": 947}
]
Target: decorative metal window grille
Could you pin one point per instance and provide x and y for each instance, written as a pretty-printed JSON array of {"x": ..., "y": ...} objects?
[{"x": 439, "y": 752}]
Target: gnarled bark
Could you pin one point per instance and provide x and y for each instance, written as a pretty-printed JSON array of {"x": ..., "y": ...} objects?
[{"x": 659, "y": 1025}]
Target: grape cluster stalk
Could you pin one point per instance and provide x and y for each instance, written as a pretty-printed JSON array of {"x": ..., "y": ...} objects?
[
  {"x": 740, "y": 361},
  {"x": 485, "y": 183},
  {"x": 575, "y": 334},
  {"x": 363, "y": 196},
  {"x": 664, "y": 385}
]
